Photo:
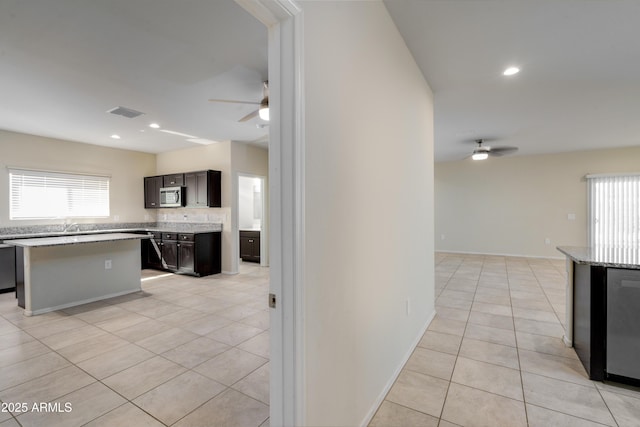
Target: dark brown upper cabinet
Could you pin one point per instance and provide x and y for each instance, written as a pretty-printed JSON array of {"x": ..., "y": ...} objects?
[
  {"x": 174, "y": 180},
  {"x": 152, "y": 185},
  {"x": 203, "y": 189}
]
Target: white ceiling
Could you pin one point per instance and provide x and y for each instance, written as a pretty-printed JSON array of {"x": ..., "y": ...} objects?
[
  {"x": 579, "y": 85},
  {"x": 64, "y": 63}
]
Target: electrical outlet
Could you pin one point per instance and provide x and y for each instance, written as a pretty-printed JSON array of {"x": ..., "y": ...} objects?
[
  {"x": 571, "y": 217},
  {"x": 547, "y": 241},
  {"x": 442, "y": 237},
  {"x": 408, "y": 307},
  {"x": 116, "y": 218},
  {"x": 107, "y": 264}
]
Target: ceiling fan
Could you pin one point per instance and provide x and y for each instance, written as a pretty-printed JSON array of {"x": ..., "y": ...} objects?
[
  {"x": 263, "y": 109},
  {"x": 482, "y": 152}
]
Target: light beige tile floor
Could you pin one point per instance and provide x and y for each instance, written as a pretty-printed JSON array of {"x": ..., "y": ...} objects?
[
  {"x": 185, "y": 351},
  {"x": 493, "y": 355}
]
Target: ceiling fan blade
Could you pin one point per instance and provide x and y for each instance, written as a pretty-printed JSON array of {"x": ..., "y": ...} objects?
[
  {"x": 501, "y": 151},
  {"x": 249, "y": 116},
  {"x": 230, "y": 101}
]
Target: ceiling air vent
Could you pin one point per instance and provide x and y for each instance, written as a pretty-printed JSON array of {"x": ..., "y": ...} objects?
[{"x": 126, "y": 112}]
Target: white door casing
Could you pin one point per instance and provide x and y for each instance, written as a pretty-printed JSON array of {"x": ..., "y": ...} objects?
[{"x": 284, "y": 20}]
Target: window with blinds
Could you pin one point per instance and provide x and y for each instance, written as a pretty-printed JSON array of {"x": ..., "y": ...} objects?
[
  {"x": 614, "y": 210},
  {"x": 43, "y": 194}
]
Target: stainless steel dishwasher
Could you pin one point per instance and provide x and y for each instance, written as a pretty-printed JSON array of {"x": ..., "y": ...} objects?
[{"x": 623, "y": 323}]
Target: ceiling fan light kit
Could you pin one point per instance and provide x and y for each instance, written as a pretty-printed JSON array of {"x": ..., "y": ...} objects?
[
  {"x": 511, "y": 71},
  {"x": 482, "y": 152},
  {"x": 263, "y": 112},
  {"x": 479, "y": 155},
  {"x": 263, "y": 109}
]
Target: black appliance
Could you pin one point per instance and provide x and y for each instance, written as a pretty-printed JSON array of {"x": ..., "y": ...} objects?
[{"x": 7, "y": 268}]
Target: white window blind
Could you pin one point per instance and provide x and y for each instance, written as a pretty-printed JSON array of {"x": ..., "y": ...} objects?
[
  {"x": 44, "y": 194},
  {"x": 614, "y": 211}
]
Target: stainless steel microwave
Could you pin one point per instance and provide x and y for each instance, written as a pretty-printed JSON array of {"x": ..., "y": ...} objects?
[{"x": 172, "y": 197}]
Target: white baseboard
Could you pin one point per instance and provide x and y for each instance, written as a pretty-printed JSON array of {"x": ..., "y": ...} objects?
[
  {"x": 497, "y": 254},
  {"x": 231, "y": 273},
  {"x": 396, "y": 373}
]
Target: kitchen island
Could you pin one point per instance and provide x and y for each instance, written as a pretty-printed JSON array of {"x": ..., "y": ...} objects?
[
  {"x": 603, "y": 311},
  {"x": 64, "y": 271}
]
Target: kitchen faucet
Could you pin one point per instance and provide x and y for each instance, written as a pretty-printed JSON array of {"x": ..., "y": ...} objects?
[{"x": 70, "y": 226}]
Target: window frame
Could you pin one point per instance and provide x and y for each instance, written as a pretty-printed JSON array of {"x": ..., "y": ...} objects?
[
  {"x": 78, "y": 194},
  {"x": 623, "y": 193}
]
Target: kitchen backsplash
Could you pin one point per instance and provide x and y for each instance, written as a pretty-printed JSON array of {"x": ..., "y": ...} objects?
[
  {"x": 183, "y": 219},
  {"x": 193, "y": 219},
  {"x": 195, "y": 216}
]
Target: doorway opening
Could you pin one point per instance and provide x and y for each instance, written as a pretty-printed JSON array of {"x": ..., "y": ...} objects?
[{"x": 252, "y": 219}]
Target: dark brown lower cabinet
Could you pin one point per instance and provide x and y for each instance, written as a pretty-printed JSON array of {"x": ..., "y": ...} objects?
[
  {"x": 186, "y": 253},
  {"x": 170, "y": 254},
  {"x": 196, "y": 254},
  {"x": 152, "y": 252},
  {"x": 250, "y": 245}
]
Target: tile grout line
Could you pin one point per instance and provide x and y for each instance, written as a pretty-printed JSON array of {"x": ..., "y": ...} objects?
[
  {"x": 461, "y": 340},
  {"x": 547, "y": 298},
  {"x": 131, "y": 401},
  {"x": 570, "y": 415},
  {"x": 607, "y": 406},
  {"x": 72, "y": 364},
  {"x": 524, "y": 397},
  {"x": 154, "y": 354}
]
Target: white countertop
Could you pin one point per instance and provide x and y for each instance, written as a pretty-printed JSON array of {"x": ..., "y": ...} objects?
[{"x": 73, "y": 240}]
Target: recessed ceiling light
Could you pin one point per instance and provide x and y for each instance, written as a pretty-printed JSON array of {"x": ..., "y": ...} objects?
[
  {"x": 511, "y": 71},
  {"x": 114, "y": 136},
  {"x": 154, "y": 126}
]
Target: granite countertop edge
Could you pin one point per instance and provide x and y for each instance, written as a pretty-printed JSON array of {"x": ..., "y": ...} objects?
[
  {"x": 591, "y": 256},
  {"x": 209, "y": 228},
  {"x": 37, "y": 242}
]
